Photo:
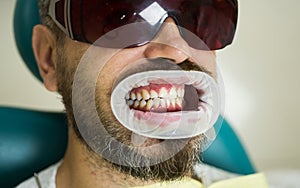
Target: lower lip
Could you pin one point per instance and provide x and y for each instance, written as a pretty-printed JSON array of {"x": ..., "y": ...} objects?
[{"x": 163, "y": 119}]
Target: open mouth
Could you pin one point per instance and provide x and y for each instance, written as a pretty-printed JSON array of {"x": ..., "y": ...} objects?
[
  {"x": 166, "y": 104},
  {"x": 164, "y": 98}
]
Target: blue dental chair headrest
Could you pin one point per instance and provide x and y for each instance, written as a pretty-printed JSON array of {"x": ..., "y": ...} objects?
[{"x": 26, "y": 15}]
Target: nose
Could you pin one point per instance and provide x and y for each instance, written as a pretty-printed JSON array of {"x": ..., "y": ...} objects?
[{"x": 168, "y": 44}]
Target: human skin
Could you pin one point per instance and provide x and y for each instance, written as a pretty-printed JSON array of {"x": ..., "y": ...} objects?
[{"x": 80, "y": 167}]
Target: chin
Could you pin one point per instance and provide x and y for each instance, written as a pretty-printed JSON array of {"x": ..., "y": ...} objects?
[{"x": 161, "y": 160}]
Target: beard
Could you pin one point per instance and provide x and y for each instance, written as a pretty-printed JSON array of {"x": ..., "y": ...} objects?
[
  {"x": 104, "y": 138},
  {"x": 149, "y": 159}
]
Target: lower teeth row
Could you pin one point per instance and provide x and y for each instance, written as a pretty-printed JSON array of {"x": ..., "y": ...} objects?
[{"x": 155, "y": 103}]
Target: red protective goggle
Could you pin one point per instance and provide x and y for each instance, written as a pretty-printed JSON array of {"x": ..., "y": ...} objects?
[{"x": 212, "y": 21}]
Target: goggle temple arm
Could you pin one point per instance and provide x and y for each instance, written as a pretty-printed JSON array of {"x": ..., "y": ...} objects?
[{"x": 67, "y": 29}]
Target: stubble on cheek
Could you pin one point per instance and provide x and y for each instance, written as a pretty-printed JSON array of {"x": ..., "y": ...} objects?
[
  {"x": 106, "y": 116},
  {"x": 68, "y": 57},
  {"x": 105, "y": 82}
]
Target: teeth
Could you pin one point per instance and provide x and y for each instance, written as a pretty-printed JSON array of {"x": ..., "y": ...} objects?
[
  {"x": 149, "y": 104},
  {"x": 172, "y": 93},
  {"x": 173, "y": 102},
  {"x": 180, "y": 93},
  {"x": 148, "y": 99},
  {"x": 145, "y": 94},
  {"x": 153, "y": 94},
  {"x": 163, "y": 93},
  {"x": 138, "y": 96},
  {"x": 130, "y": 102},
  {"x": 163, "y": 103},
  {"x": 143, "y": 104},
  {"x": 179, "y": 102},
  {"x": 156, "y": 102},
  {"x": 136, "y": 104},
  {"x": 132, "y": 96},
  {"x": 168, "y": 103}
]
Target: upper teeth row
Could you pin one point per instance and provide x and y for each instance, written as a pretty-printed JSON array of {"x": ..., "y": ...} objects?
[{"x": 163, "y": 93}]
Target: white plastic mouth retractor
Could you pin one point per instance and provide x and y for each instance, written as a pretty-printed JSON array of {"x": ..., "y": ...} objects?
[{"x": 167, "y": 125}]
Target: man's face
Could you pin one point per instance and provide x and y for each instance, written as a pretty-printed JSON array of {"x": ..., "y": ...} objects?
[{"x": 166, "y": 159}]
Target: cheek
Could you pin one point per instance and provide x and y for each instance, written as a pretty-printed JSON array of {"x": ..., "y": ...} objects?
[{"x": 69, "y": 57}]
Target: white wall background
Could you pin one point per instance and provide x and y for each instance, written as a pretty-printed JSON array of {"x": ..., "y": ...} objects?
[{"x": 260, "y": 70}]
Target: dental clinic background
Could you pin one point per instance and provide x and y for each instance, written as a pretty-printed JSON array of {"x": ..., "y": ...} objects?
[{"x": 261, "y": 72}]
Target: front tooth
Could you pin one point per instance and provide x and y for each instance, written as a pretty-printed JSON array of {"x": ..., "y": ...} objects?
[
  {"x": 163, "y": 93},
  {"x": 156, "y": 102},
  {"x": 153, "y": 94},
  {"x": 127, "y": 96},
  {"x": 173, "y": 102},
  {"x": 143, "y": 104},
  {"x": 163, "y": 103},
  {"x": 172, "y": 93},
  {"x": 145, "y": 94},
  {"x": 149, "y": 104},
  {"x": 136, "y": 104},
  {"x": 138, "y": 96},
  {"x": 168, "y": 103},
  {"x": 132, "y": 96}
]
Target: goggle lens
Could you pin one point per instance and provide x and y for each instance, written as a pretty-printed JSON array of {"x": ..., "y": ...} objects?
[{"x": 213, "y": 21}]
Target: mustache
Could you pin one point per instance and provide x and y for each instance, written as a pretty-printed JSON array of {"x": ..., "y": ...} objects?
[
  {"x": 188, "y": 65},
  {"x": 160, "y": 64}
]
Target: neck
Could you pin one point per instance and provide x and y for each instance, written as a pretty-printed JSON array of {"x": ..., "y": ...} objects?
[{"x": 77, "y": 170}]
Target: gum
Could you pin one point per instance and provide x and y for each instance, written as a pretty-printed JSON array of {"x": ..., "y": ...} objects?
[{"x": 157, "y": 87}]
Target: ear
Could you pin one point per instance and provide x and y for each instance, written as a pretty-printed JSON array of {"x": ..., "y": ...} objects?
[{"x": 44, "y": 44}]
